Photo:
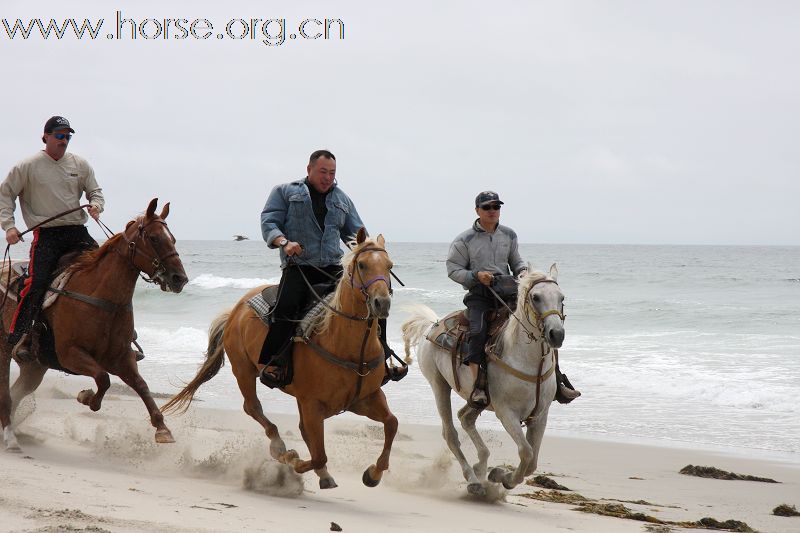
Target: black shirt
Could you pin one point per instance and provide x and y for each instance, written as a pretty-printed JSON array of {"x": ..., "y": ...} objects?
[{"x": 318, "y": 204}]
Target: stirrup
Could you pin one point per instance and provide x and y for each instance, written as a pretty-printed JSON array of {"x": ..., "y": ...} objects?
[
  {"x": 394, "y": 373},
  {"x": 22, "y": 350},
  {"x": 565, "y": 392},
  {"x": 478, "y": 399},
  {"x": 275, "y": 378}
]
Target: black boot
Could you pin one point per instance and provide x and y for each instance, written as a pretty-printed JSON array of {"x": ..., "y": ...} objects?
[
  {"x": 278, "y": 372},
  {"x": 565, "y": 392},
  {"x": 479, "y": 398}
]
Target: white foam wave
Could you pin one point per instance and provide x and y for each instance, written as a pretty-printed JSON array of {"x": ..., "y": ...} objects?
[{"x": 210, "y": 281}]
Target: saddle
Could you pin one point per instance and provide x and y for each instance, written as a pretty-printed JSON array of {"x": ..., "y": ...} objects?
[
  {"x": 264, "y": 302},
  {"x": 450, "y": 334}
]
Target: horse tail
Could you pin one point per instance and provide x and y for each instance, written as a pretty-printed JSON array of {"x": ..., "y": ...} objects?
[
  {"x": 421, "y": 319},
  {"x": 215, "y": 359}
]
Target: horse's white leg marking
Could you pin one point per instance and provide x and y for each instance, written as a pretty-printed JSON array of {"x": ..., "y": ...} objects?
[{"x": 11, "y": 440}]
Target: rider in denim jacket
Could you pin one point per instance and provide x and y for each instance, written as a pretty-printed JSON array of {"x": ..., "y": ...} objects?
[{"x": 308, "y": 220}]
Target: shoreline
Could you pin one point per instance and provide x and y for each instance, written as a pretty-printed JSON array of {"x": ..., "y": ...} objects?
[{"x": 103, "y": 470}]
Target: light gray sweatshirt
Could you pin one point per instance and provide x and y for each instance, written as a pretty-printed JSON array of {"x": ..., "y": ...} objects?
[
  {"x": 477, "y": 250},
  {"x": 47, "y": 187}
]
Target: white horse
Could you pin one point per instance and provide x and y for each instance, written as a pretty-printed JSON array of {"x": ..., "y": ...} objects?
[{"x": 521, "y": 377}]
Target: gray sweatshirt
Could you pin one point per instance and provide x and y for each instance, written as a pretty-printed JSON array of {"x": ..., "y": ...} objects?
[
  {"x": 477, "y": 250},
  {"x": 46, "y": 188}
]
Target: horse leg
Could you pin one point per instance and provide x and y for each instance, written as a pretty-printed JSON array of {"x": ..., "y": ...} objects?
[
  {"x": 534, "y": 436},
  {"x": 326, "y": 481},
  {"x": 512, "y": 427},
  {"x": 5, "y": 401},
  {"x": 467, "y": 416},
  {"x": 312, "y": 427},
  {"x": 129, "y": 373},
  {"x": 246, "y": 374},
  {"x": 375, "y": 408},
  {"x": 441, "y": 393},
  {"x": 82, "y": 363}
]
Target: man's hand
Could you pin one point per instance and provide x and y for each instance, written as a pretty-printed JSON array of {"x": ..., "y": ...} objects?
[
  {"x": 13, "y": 236},
  {"x": 94, "y": 212},
  {"x": 485, "y": 277},
  {"x": 293, "y": 248}
]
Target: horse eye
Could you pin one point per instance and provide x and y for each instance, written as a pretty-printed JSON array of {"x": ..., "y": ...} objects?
[
  {"x": 361, "y": 265},
  {"x": 535, "y": 297}
]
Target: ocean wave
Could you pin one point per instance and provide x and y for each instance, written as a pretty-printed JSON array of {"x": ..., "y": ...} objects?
[{"x": 210, "y": 281}]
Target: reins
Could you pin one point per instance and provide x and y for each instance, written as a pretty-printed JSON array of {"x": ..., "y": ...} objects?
[{"x": 538, "y": 322}]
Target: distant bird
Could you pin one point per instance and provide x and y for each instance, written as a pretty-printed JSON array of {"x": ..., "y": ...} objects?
[{"x": 240, "y": 238}]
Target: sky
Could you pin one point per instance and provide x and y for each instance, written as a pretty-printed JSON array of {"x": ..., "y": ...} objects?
[{"x": 629, "y": 122}]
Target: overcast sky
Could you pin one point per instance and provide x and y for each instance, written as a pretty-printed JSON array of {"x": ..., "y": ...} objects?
[{"x": 596, "y": 122}]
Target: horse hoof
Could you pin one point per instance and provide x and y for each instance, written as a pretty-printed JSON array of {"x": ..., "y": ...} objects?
[
  {"x": 13, "y": 449},
  {"x": 327, "y": 483},
  {"x": 85, "y": 396},
  {"x": 164, "y": 436},
  {"x": 476, "y": 489},
  {"x": 288, "y": 457},
  {"x": 496, "y": 475},
  {"x": 508, "y": 485},
  {"x": 367, "y": 479}
]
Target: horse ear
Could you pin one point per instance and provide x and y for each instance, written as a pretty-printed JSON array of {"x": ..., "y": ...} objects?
[
  {"x": 164, "y": 211},
  {"x": 361, "y": 236},
  {"x": 380, "y": 240},
  {"x": 554, "y": 272},
  {"x": 151, "y": 209}
]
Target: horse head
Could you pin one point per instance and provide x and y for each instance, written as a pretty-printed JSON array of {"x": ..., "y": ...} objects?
[
  {"x": 543, "y": 295},
  {"x": 151, "y": 249},
  {"x": 370, "y": 264}
]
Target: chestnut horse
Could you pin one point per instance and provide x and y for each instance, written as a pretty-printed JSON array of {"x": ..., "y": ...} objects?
[
  {"x": 339, "y": 368},
  {"x": 92, "y": 322}
]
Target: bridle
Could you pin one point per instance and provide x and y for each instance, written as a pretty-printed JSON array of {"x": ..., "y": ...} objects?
[
  {"x": 133, "y": 249},
  {"x": 361, "y": 285},
  {"x": 538, "y": 318}
]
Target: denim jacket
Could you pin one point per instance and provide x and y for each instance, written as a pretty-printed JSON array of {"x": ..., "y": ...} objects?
[{"x": 288, "y": 213}]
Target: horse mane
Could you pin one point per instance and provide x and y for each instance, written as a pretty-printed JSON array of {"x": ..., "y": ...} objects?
[
  {"x": 336, "y": 301},
  {"x": 511, "y": 328},
  {"x": 89, "y": 259}
]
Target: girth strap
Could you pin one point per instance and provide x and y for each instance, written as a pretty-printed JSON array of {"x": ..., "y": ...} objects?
[
  {"x": 105, "y": 305},
  {"x": 530, "y": 378},
  {"x": 362, "y": 370}
]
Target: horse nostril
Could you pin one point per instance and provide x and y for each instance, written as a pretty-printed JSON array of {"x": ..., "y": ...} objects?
[{"x": 557, "y": 336}]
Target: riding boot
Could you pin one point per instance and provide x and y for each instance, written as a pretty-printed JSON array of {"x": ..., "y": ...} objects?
[
  {"x": 22, "y": 350},
  {"x": 479, "y": 398},
  {"x": 278, "y": 372},
  {"x": 565, "y": 392},
  {"x": 392, "y": 373}
]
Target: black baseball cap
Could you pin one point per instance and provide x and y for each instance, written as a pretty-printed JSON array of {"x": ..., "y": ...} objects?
[
  {"x": 487, "y": 197},
  {"x": 57, "y": 123}
]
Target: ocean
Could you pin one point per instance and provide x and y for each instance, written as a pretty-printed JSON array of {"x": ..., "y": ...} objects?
[{"x": 676, "y": 345}]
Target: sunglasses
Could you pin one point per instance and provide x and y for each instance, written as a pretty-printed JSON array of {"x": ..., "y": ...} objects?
[
  {"x": 62, "y": 136},
  {"x": 491, "y": 207}
]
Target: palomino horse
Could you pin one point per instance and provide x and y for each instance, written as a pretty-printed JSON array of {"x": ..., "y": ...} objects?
[
  {"x": 340, "y": 368},
  {"x": 521, "y": 378},
  {"x": 92, "y": 319}
]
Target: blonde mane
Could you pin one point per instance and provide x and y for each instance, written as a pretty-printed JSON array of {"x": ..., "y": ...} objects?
[
  {"x": 511, "y": 328},
  {"x": 336, "y": 301}
]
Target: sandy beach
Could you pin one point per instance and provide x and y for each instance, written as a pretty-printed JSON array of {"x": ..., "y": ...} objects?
[{"x": 84, "y": 471}]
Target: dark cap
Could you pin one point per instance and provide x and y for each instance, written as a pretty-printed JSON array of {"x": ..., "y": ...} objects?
[
  {"x": 487, "y": 197},
  {"x": 56, "y": 124}
]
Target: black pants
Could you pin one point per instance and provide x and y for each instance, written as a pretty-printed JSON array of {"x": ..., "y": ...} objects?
[
  {"x": 479, "y": 302},
  {"x": 294, "y": 296},
  {"x": 48, "y": 245}
]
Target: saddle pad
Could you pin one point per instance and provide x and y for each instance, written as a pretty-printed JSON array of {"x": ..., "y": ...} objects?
[
  {"x": 20, "y": 267},
  {"x": 263, "y": 303}
]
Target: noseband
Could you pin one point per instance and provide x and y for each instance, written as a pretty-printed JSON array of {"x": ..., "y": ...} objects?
[
  {"x": 361, "y": 284},
  {"x": 539, "y": 318}
]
